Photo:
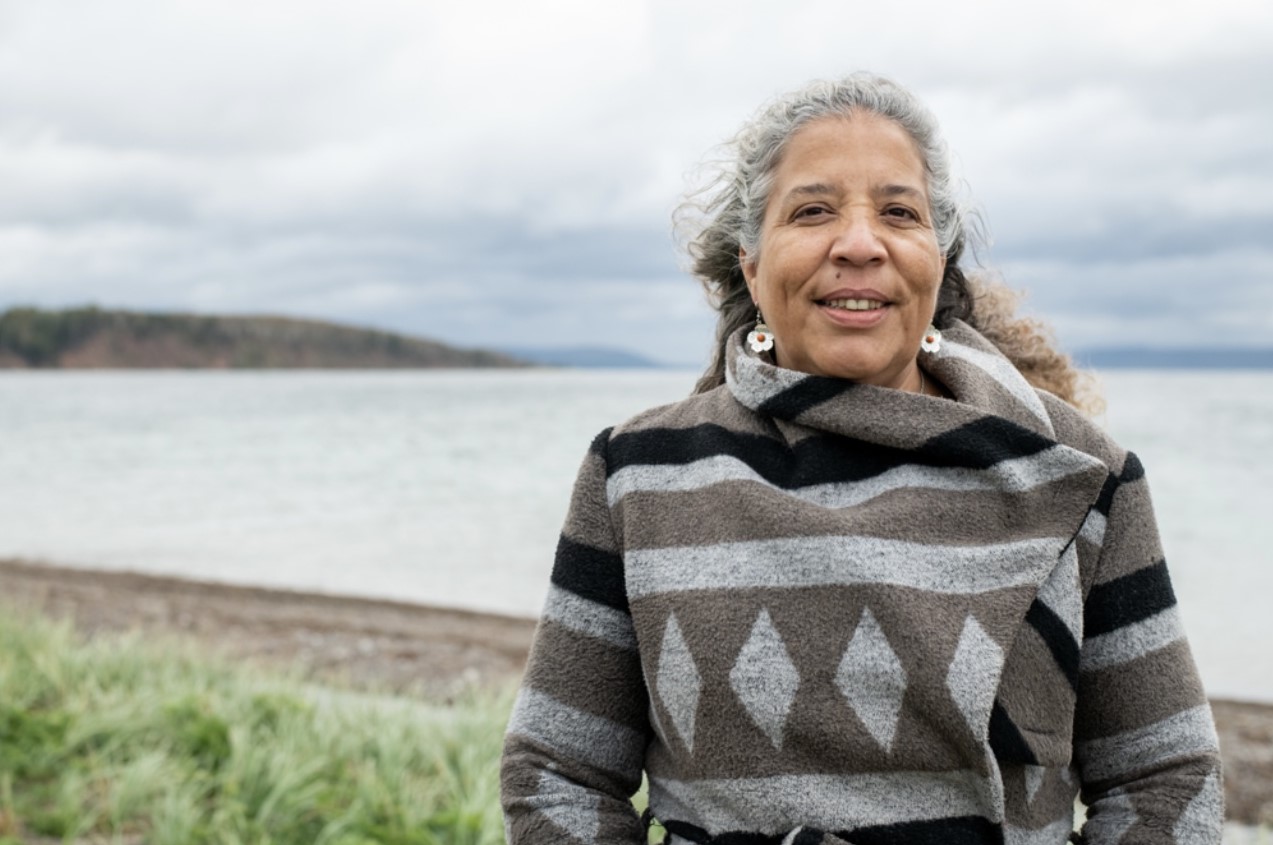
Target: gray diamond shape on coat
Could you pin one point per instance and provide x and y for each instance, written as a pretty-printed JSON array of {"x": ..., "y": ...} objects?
[
  {"x": 972, "y": 677},
  {"x": 764, "y": 678},
  {"x": 1034, "y": 776},
  {"x": 678, "y": 683},
  {"x": 873, "y": 680}
]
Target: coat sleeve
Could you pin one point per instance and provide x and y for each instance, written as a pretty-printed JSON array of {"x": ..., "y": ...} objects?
[
  {"x": 1145, "y": 742},
  {"x": 576, "y": 742}
]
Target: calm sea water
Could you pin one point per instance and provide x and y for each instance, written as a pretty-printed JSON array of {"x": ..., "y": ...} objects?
[{"x": 450, "y": 487}]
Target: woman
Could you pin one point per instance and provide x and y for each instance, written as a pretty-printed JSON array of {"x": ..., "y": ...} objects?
[{"x": 867, "y": 585}]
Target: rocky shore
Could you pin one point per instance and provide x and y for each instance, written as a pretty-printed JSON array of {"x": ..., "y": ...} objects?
[{"x": 435, "y": 652}]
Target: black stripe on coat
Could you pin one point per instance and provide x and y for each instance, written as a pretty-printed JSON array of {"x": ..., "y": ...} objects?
[
  {"x": 1133, "y": 470},
  {"x": 1105, "y": 500},
  {"x": 963, "y": 830},
  {"x": 808, "y": 393},
  {"x": 960, "y": 830},
  {"x": 820, "y": 460},
  {"x": 982, "y": 444},
  {"x": 1128, "y": 599},
  {"x": 699, "y": 836},
  {"x": 600, "y": 444},
  {"x": 590, "y": 573},
  {"x": 1065, "y": 651},
  {"x": 1006, "y": 740},
  {"x": 816, "y": 460},
  {"x": 657, "y": 446}
]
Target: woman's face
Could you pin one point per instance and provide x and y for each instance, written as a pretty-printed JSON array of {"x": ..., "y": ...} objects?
[{"x": 849, "y": 268}]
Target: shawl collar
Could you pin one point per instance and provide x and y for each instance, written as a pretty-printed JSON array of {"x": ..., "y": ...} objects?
[
  {"x": 983, "y": 382},
  {"x": 996, "y": 424}
]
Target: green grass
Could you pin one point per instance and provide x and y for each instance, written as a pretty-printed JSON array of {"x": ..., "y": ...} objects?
[
  {"x": 124, "y": 741},
  {"x": 121, "y": 740}
]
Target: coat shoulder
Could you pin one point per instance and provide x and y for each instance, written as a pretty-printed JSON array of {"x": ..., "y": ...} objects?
[
  {"x": 1075, "y": 429},
  {"x": 716, "y": 407}
]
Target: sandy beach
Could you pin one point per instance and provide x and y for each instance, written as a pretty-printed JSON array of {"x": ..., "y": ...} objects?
[{"x": 435, "y": 652}]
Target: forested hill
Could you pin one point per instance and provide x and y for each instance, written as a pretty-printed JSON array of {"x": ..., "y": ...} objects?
[{"x": 94, "y": 338}]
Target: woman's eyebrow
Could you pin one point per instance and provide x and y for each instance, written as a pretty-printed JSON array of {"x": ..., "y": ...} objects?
[
  {"x": 900, "y": 190},
  {"x": 822, "y": 189},
  {"x": 812, "y": 189}
]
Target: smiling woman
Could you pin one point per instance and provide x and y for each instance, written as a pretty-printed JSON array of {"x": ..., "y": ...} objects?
[
  {"x": 875, "y": 582},
  {"x": 848, "y": 267}
]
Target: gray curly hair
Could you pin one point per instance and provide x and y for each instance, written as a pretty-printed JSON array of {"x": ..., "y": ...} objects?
[{"x": 728, "y": 212}]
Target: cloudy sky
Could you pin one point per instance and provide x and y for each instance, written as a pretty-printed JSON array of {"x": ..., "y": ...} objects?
[{"x": 503, "y": 173}]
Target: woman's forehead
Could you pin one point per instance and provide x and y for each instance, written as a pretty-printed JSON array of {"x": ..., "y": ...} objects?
[{"x": 832, "y": 154}]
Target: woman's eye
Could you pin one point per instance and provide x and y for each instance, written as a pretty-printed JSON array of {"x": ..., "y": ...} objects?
[
  {"x": 810, "y": 211},
  {"x": 901, "y": 212}
]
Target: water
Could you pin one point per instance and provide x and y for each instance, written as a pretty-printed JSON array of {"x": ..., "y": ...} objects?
[
  {"x": 1206, "y": 439},
  {"x": 450, "y": 487}
]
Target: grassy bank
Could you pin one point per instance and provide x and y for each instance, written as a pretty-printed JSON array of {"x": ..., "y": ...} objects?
[{"x": 128, "y": 741}]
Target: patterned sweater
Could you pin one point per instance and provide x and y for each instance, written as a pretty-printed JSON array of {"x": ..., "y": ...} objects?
[{"x": 812, "y": 611}]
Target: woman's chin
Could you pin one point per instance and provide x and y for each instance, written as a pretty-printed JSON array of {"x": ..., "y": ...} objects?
[{"x": 864, "y": 366}]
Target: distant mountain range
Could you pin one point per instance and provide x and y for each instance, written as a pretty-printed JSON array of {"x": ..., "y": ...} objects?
[
  {"x": 1124, "y": 357},
  {"x": 582, "y": 356},
  {"x": 93, "y": 338}
]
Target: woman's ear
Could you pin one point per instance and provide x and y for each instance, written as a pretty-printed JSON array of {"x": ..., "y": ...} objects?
[{"x": 749, "y": 272}]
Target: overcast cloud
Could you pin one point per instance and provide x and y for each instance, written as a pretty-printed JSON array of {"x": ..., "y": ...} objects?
[{"x": 503, "y": 173}]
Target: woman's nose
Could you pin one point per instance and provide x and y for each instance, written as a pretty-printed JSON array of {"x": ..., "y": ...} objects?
[{"x": 857, "y": 242}]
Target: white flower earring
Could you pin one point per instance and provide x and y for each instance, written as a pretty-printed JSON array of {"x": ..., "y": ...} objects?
[
  {"x": 931, "y": 341},
  {"x": 760, "y": 338}
]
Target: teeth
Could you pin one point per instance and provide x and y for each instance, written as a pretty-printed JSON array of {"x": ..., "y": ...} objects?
[{"x": 855, "y": 304}]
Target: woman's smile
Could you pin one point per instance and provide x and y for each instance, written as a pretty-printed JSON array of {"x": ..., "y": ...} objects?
[
  {"x": 854, "y": 308},
  {"x": 853, "y": 304}
]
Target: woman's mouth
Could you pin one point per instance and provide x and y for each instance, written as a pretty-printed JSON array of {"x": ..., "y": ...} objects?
[
  {"x": 853, "y": 304},
  {"x": 855, "y": 311}
]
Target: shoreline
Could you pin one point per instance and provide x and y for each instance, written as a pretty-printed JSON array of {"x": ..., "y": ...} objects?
[
  {"x": 362, "y": 642},
  {"x": 435, "y": 652}
]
